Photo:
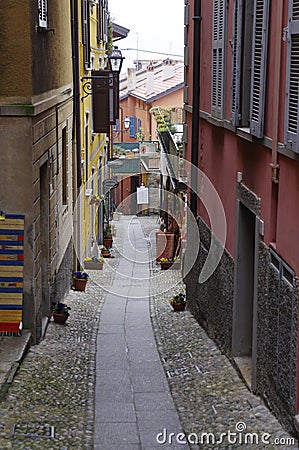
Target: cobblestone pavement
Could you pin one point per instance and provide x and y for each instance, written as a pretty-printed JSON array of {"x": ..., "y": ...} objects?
[
  {"x": 55, "y": 384},
  {"x": 208, "y": 393}
]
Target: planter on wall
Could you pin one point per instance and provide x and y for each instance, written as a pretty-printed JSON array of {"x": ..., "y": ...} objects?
[{"x": 93, "y": 265}]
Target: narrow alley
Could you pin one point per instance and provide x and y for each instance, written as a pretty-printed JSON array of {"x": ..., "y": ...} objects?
[{"x": 126, "y": 372}]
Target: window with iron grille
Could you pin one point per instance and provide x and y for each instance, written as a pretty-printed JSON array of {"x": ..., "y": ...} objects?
[
  {"x": 292, "y": 74},
  {"x": 249, "y": 60},
  {"x": 43, "y": 13},
  {"x": 218, "y": 57}
]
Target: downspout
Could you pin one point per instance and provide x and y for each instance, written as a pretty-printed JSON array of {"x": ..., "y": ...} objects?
[
  {"x": 76, "y": 129},
  {"x": 276, "y": 106},
  {"x": 76, "y": 83},
  {"x": 195, "y": 103}
]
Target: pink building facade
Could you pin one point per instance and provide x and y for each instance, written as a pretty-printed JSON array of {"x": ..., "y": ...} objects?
[{"x": 249, "y": 149}]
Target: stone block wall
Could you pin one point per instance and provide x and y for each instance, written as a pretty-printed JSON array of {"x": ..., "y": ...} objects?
[{"x": 211, "y": 303}]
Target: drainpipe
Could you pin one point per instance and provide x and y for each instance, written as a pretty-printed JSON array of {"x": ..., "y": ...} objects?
[
  {"x": 76, "y": 88},
  {"x": 276, "y": 91},
  {"x": 195, "y": 102},
  {"x": 76, "y": 131}
]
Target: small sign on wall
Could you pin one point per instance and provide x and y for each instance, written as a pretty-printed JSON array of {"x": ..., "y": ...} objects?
[{"x": 142, "y": 195}]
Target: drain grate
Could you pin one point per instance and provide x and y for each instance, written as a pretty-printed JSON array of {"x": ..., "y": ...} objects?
[
  {"x": 181, "y": 372},
  {"x": 34, "y": 430}
]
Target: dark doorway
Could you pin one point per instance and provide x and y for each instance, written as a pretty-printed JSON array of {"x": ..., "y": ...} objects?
[{"x": 245, "y": 288}]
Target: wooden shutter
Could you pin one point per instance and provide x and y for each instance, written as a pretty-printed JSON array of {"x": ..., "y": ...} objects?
[
  {"x": 105, "y": 21},
  {"x": 86, "y": 32},
  {"x": 43, "y": 13},
  {"x": 259, "y": 64},
  {"x": 132, "y": 126},
  {"x": 292, "y": 74},
  {"x": 236, "y": 46},
  {"x": 218, "y": 57}
]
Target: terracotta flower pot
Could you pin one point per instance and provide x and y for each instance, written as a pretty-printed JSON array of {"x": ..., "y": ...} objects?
[
  {"x": 179, "y": 306},
  {"x": 80, "y": 284},
  {"x": 166, "y": 265},
  {"x": 60, "y": 318},
  {"x": 108, "y": 241}
]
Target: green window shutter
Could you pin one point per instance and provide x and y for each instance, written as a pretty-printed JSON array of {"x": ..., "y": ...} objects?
[
  {"x": 218, "y": 58},
  {"x": 236, "y": 46},
  {"x": 259, "y": 64},
  {"x": 292, "y": 76}
]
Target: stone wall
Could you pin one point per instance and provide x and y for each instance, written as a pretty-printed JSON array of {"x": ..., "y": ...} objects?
[
  {"x": 277, "y": 338},
  {"x": 212, "y": 302}
]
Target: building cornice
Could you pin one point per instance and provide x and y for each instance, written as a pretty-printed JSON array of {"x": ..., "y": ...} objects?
[{"x": 38, "y": 104}]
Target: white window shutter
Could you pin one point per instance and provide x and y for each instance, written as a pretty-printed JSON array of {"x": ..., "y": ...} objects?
[
  {"x": 292, "y": 75},
  {"x": 218, "y": 58},
  {"x": 43, "y": 13},
  {"x": 259, "y": 64},
  {"x": 236, "y": 46}
]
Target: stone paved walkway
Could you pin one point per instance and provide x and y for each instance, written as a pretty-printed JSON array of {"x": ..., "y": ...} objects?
[{"x": 55, "y": 385}]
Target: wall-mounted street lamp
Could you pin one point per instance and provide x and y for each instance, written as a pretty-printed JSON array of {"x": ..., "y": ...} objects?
[
  {"x": 115, "y": 60},
  {"x": 126, "y": 123}
]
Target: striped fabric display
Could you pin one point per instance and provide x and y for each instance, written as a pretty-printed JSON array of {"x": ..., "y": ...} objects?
[{"x": 11, "y": 272}]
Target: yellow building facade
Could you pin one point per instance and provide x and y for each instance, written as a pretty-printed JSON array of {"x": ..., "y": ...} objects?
[{"x": 93, "y": 53}]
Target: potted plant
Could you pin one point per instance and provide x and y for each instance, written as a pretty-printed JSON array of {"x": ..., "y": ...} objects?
[
  {"x": 80, "y": 279},
  {"x": 178, "y": 302},
  {"x": 108, "y": 239},
  {"x": 105, "y": 252},
  {"x": 60, "y": 312},
  {"x": 93, "y": 263}
]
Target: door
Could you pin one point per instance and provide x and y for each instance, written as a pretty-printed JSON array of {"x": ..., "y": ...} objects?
[{"x": 245, "y": 293}]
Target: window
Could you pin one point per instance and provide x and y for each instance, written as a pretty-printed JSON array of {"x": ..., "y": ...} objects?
[
  {"x": 43, "y": 13},
  {"x": 86, "y": 32},
  {"x": 218, "y": 58},
  {"x": 292, "y": 74},
  {"x": 64, "y": 167},
  {"x": 103, "y": 21},
  {"x": 249, "y": 59}
]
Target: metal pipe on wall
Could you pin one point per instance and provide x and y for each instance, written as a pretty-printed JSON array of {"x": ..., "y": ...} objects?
[{"x": 195, "y": 103}]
